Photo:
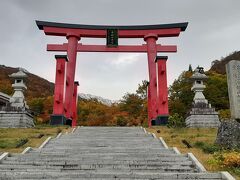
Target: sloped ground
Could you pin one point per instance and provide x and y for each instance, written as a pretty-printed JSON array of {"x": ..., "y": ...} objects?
[{"x": 104, "y": 153}]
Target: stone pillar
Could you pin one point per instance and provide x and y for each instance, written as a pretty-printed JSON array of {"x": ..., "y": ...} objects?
[
  {"x": 58, "y": 116},
  {"x": 71, "y": 67},
  {"x": 148, "y": 103},
  {"x": 152, "y": 88},
  {"x": 233, "y": 80},
  {"x": 162, "y": 100},
  {"x": 74, "y": 104}
]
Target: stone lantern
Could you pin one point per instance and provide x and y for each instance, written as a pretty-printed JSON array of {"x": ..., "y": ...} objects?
[
  {"x": 16, "y": 114},
  {"x": 18, "y": 99},
  {"x": 198, "y": 87},
  {"x": 201, "y": 114}
]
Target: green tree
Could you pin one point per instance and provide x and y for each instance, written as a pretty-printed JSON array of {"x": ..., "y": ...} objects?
[
  {"x": 190, "y": 68},
  {"x": 132, "y": 104},
  {"x": 181, "y": 96},
  {"x": 142, "y": 90},
  {"x": 216, "y": 91}
]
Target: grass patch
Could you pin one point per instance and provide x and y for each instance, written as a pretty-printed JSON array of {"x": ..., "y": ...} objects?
[
  {"x": 207, "y": 148},
  {"x": 15, "y": 140},
  {"x": 202, "y": 141}
]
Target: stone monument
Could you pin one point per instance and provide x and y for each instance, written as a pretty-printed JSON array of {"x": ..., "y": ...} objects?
[
  {"x": 16, "y": 112},
  {"x": 201, "y": 114},
  {"x": 233, "y": 79},
  {"x": 229, "y": 131}
]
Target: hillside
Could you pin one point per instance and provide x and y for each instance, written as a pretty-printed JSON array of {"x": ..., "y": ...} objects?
[
  {"x": 37, "y": 86},
  {"x": 219, "y": 65}
]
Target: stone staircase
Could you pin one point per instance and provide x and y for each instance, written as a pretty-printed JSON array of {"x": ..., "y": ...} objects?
[{"x": 104, "y": 153}]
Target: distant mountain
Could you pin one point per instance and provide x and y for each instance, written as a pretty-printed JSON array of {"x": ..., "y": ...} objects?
[
  {"x": 100, "y": 99},
  {"x": 37, "y": 86},
  {"x": 219, "y": 65}
]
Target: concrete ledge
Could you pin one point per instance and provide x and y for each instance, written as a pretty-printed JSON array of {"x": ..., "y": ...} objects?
[
  {"x": 144, "y": 130},
  {"x": 154, "y": 135},
  {"x": 4, "y": 156},
  {"x": 163, "y": 142},
  {"x": 59, "y": 135},
  {"x": 74, "y": 129},
  {"x": 44, "y": 143},
  {"x": 175, "y": 149},
  {"x": 26, "y": 150},
  {"x": 199, "y": 166},
  {"x": 226, "y": 175}
]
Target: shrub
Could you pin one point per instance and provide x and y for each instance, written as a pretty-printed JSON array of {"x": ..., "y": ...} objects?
[
  {"x": 199, "y": 144},
  {"x": 121, "y": 121},
  {"x": 231, "y": 159},
  {"x": 21, "y": 142},
  {"x": 224, "y": 114},
  {"x": 210, "y": 148},
  {"x": 176, "y": 120},
  {"x": 207, "y": 148}
]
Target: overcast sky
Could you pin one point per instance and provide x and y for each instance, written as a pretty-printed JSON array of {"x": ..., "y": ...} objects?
[{"x": 213, "y": 32}]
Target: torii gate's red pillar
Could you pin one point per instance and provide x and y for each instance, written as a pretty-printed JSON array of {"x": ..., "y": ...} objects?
[
  {"x": 71, "y": 67},
  {"x": 74, "y": 104},
  {"x": 152, "y": 88},
  {"x": 162, "y": 100},
  {"x": 59, "y": 92}
]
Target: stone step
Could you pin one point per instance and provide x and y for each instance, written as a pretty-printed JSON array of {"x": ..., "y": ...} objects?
[
  {"x": 113, "y": 167},
  {"x": 108, "y": 175},
  {"x": 98, "y": 162},
  {"x": 103, "y": 153}
]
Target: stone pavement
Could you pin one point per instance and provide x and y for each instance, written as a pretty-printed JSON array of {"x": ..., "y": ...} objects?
[{"x": 105, "y": 153}]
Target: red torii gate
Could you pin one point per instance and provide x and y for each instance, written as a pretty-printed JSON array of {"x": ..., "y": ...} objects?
[{"x": 65, "y": 89}]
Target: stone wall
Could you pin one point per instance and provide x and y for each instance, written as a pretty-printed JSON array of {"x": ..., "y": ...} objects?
[{"x": 16, "y": 120}]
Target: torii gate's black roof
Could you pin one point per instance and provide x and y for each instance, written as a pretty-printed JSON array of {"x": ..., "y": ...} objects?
[{"x": 41, "y": 24}]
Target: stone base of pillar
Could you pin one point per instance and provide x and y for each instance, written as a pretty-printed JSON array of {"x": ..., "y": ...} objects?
[
  {"x": 58, "y": 119},
  {"x": 16, "y": 119},
  {"x": 202, "y": 121},
  {"x": 201, "y": 115},
  {"x": 160, "y": 121},
  {"x": 69, "y": 122}
]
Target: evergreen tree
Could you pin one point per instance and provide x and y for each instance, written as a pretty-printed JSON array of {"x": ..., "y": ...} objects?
[{"x": 190, "y": 68}]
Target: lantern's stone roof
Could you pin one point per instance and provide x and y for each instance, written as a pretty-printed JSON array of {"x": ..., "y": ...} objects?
[
  {"x": 199, "y": 74},
  {"x": 19, "y": 74}
]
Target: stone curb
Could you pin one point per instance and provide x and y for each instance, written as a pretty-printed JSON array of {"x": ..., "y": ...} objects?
[
  {"x": 144, "y": 130},
  {"x": 175, "y": 149},
  {"x": 74, "y": 129},
  {"x": 199, "y": 166},
  {"x": 154, "y": 135},
  {"x": 226, "y": 175},
  {"x": 4, "y": 156},
  {"x": 26, "y": 150},
  {"x": 59, "y": 135},
  {"x": 45, "y": 143},
  {"x": 163, "y": 142}
]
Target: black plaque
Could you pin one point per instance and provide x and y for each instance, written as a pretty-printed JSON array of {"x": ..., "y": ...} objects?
[{"x": 112, "y": 37}]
